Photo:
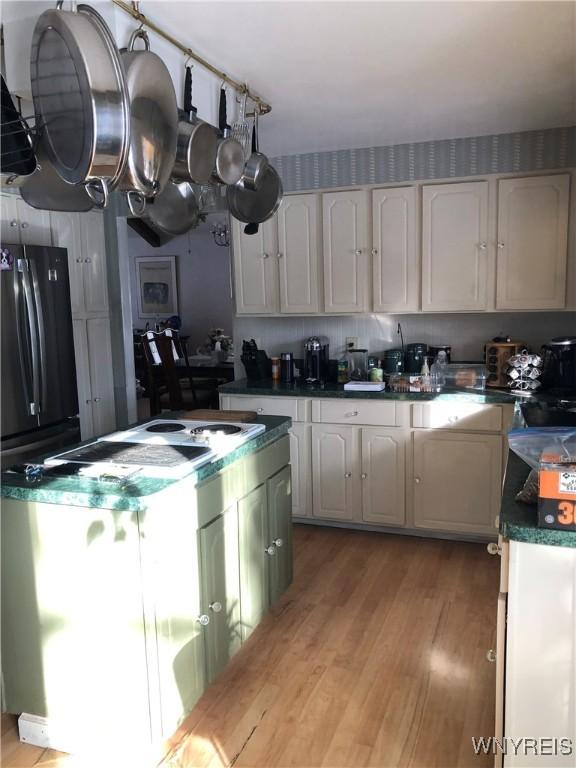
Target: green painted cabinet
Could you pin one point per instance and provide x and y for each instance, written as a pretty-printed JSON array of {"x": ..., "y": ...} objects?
[
  {"x": 220, "y": 580},
  {"x": 254, "y": 558},
  {"x": 280, "y": 532}
]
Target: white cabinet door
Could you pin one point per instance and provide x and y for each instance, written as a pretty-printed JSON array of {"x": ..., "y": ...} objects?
[
  {"x": 394, "y": 255},
  {"x": 457, "y": 481},
  {"x": 383, "y": 476},
  {"x": 83, "y": 378},
  {"x": 335, "y": 472},
  {"x": 256, "y": 268},
  {"x": 455, "y": 246},
  {"x": 345, "y": 237},
  {"x": 532, "y": 242},
  {"x": 301, "y": 464},
  {"x": 9, "y": 224},
  {"x": 94, "y": 254},
  {"x": 299, "y": 253},
  {"x": 34, "y": 225},
  {"x": 101, "y": 379},
  {"x": 66, "y": 233}
]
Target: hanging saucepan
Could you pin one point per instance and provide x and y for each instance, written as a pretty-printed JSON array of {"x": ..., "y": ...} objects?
[
  {"x": 230, "y": 159},
  {"x": 174, "y": 211},
  {"x": 80, "y": 98},
  {"x": 197, "y": 142},
  {"x": 256, "y": 163},
  {"x": 255, "y": 207},
  {"x": 153, "y": 124}
]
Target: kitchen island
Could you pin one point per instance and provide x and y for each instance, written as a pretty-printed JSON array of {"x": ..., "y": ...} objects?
[{"x": 122, "y": 601}]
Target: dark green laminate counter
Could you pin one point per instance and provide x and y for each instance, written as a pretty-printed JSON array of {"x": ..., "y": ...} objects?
[
  {"x": 519, "y": 521},
  {"x": 329, "y": 390},
  {"x": 133, "y": 494}
]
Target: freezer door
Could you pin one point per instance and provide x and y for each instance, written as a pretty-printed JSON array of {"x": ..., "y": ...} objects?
[
  {"x": 48, "y": 272},
  {"x": 17, "y": 409}
]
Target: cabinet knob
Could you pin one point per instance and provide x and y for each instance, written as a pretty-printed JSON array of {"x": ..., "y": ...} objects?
[
  {"x": 259, "y": 410},
  {"x": 358, "y": 252},
  {"x": 87, "y": 261},
  {"x": 88, "y": 401},
  {"x": 271, "y": 550},
  {"x": 13, "y": 223},
  {"x": 363, "y": 475},
  {"x": 500, "y": 245},
  {"x": 348, "y": 474},
  {"x": 374, "y": 251},
  {"x": 279, "y": 255},
  {"x": 453, "y": 419},
  {"x": 417, "y": 480},
  {"x": 203, "y": 619},
  {"x": 264, "y": 255},
  {"x": 97, "y": 399},
  {"x": 351, "y": 414},
  {"x": 482, "y": 246},
  {"x": 24, "y": 225},
  {"x": 491, "y": 655},
  {"x": 78, "y": 261},
  {"x": 494, "y": 548},
  {"x": 215, "y": 606},
  {"x": 278, "y": 543}
]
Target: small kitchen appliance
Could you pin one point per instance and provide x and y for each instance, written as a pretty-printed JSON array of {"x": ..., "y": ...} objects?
[
  {"x": 316, "y": 356},
  {"x": 559, "y": 366},
  {"x": 496, "y": 355},
  {"x": 163, "y": 448}
]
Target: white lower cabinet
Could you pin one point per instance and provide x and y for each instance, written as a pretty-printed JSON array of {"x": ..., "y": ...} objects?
[
  {"x": 335, "y": 476},
  {"x": 383, "y": 473},
  {"x": 301, "y": 462},
  {"x": 457, "y": 481},
  {"x": 94, "y": 376}
]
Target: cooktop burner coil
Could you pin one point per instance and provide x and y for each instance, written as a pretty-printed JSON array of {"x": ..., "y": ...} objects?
[
  {"x": 217, "y": 429},
  {"x": 169, "y": 426}
]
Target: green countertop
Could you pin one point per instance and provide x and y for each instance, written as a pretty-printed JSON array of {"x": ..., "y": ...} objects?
[
  {"x": 245, "y": 387},
  {"x": 519, "y": 521},
  {"x": 133, "y": 494}
]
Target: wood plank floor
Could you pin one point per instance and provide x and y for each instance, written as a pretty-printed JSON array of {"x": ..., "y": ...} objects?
[{"x": 374, "y": 657}]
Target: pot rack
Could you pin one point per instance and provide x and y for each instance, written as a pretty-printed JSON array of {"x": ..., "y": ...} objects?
[{"x": 133, "y": 9}]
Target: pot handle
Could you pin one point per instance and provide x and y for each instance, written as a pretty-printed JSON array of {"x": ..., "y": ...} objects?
[
  {"x": 136, "y": 202},
  {"x": 139, "y": 33},
  {"x": 97, "y": 190}
]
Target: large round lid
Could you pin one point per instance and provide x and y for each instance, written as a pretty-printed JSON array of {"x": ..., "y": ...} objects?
[{"x": 79, "y": 94}]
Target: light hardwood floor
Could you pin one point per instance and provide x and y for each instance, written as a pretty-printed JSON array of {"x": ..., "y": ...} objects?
[{"x": 374, "y": 657}]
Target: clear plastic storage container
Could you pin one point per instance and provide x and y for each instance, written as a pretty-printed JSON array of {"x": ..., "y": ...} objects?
[{"x": 466, "y": 375}]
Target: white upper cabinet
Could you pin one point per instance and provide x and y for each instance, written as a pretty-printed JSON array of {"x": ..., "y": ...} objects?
[
  {"x": 82, "y": 234},
  {"x": 345, "y": 230},
  {"x": 455, "y": 247},
  {"x": 256, "y": 269},
  {"x": 299, "y": 253},
  {"x": 22, "y": 224},
  {"x": 532, "y": 242},
  {"x": 394, "y": 254}
]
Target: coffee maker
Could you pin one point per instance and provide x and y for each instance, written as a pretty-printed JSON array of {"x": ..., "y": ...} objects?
[
  {"x": 316, "y": 358},
  {"x": 559, "y": 366}
]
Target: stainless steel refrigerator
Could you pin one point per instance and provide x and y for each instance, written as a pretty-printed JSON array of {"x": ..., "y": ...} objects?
[{"x": 38, "y": 374}]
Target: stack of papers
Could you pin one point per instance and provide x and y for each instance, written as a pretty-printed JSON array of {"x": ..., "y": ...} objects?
[{"x": 365, "y": 386}]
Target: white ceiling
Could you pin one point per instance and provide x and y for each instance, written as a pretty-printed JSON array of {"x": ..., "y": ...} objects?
[{"x": 356, "y": 74}]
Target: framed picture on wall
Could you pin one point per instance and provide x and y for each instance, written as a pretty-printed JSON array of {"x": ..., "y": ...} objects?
[{"x": 156, "y": 279}]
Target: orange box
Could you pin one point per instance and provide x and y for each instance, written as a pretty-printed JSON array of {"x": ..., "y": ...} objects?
[{"x": 557, "y": 492}]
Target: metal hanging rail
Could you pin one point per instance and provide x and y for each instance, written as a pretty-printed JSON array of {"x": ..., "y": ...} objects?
[{"x": 134, "y": 11}]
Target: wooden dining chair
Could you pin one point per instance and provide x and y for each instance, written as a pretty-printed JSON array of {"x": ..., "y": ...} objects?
[{"x": 166, "y": 367}]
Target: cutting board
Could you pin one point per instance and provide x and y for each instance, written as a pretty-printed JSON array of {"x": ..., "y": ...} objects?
[{"x": 205, "y": 414}]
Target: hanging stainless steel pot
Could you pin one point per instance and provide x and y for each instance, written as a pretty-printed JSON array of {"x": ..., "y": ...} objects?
[
  {"x": 153, "y": 124},
  {"x": 81, "y": 99},
  {"x": 174, "y": 211},
  {"x": 257, "y": 162},
  {"x": 197, "y": 142},
  {"x": 255, "y": 207},
  {"x": 46, "y": 190},
  {"x": 230, "y": 159}
]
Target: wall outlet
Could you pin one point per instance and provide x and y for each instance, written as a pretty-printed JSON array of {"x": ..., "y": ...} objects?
[{"x": 352, "y": 342}]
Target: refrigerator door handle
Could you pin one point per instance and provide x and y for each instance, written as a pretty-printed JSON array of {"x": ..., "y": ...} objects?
[
  {"x": 24, "y": 269},
  {"x": 23, "y": 334},
  {"x": 42, "y": 383}
]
